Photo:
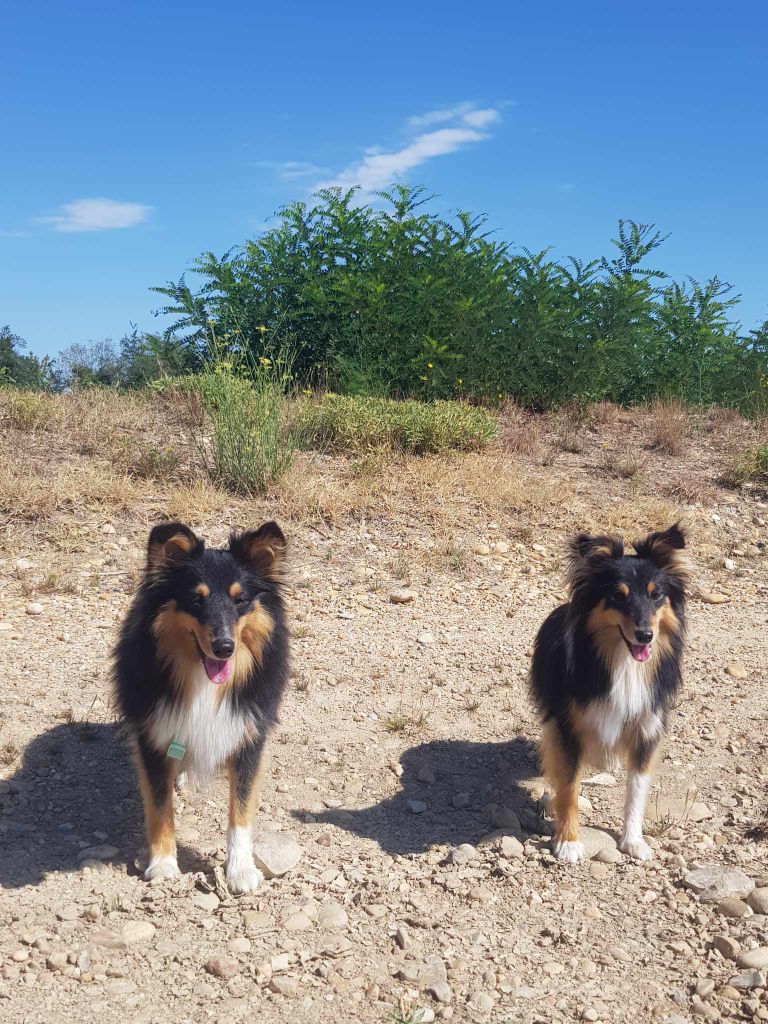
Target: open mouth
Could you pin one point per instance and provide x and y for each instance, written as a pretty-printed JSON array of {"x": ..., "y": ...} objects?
[
  {"x": 640, "y": 652},
  {"x": 218, "y": 670}
]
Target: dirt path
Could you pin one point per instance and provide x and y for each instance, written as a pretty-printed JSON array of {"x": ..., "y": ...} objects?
[{"x": 406, "y": 734}]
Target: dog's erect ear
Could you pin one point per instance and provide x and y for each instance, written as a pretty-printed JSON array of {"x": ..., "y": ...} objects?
[
  {"x": 663, "y": 548},
  {"x": 262, "y": 550},
  {"x": 583, "y": 545},
  {"x": 169, "y": 543}
]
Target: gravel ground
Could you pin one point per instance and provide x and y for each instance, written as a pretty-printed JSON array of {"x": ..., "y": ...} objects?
[{"x": 404, "y": 776}]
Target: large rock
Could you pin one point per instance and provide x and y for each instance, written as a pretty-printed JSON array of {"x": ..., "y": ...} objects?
[
  {"x": 715, "y": 882},
  {"x": 754, "y": 959},
  {"x": 594, "y": 840},
  {"x": 758, "y": 900},
  {"x": 275, "y": 853}
]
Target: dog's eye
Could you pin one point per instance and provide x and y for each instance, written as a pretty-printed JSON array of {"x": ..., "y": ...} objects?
[{"x": 198, "y": 600}]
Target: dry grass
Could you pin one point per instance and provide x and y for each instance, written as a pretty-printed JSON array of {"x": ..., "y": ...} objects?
[
  {"x": 521, "y": 432},
  {"x": 670, "y": 427},
  {"x": 622, "y": 463}
]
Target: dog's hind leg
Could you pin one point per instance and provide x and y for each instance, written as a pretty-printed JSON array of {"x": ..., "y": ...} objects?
[
  {"x": 245, "y": 776},
  {"x": 561, "y": 761},
  {"x": 156, "y": 774},
  {"x": 643, "y": 755}
]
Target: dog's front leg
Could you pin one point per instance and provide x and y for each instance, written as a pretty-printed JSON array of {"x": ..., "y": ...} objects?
[
  {"x": 245, "y": 776},
  {"x": 642, "y": 758},
  {"x": 561, "y": 759},
  {"x": 156, "y": 774}
]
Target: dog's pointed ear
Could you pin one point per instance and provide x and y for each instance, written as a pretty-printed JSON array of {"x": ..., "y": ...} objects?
[
  {"x": 663, "y": 548},
  {"x": 262, "y": 550},
  {"x": 169, "y": 543},
  {"x": 584, "y": 545}
]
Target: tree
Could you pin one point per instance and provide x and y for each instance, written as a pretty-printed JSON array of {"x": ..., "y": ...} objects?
[{"x": 24, "y": 371}]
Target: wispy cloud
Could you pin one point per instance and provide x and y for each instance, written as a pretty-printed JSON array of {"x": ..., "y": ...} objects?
[
  {"x": 293, "y": 170},
  {"x": 432, "y": 134},
  {"x": 97, "y": 215}
]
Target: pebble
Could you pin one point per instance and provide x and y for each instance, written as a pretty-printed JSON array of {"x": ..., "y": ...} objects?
[
  {"x": 222, "y": 966},
  {"x": 23, "y": 564},
  {"x": 481, "y": 1002},
  {"x": 704, "y": 987},
  {"x": 332, "y": 915},
  {"x": 425, "y": 638},
  {"x": 135, "y": 933},
  {"x": 601, "y": 779},
  {"x": 594, "y": 840},
  {"x": 206, "y": 900},
  {"x": 426, "y": 774},
  {"x": 748, "y": 980},
  {"x": 715, "y": 882},
  {"x": 620, "y": 954},
  {"x": 103, "y": 852},
  {"x": 737, "y": 670},
  {"x": 733, "y": 908},
  {"x": 238, "y": 945},
  {"x": 275, "y": 853},
  {"x": 481, "y": 549},
  {"x": 34, "y": 608},
  {"x": 754, "y": 959},
  {"x": 284, "y": 985},
  {"x": 758, "y": 900},
  {"x": 297, "y": 922},
  {"x": 505, "y": 817},
  {"x": 727, "y": 946},
  {"x": 402, "y": 596},
  {"x": 608, "y": 855},
  {"x": 715, "y": 598},
  {"x": 460, "y": 800},
  {"x": 416, "y": 806}
]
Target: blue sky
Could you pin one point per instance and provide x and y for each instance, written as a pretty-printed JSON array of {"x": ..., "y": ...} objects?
[{"x": 137, "y": 135}]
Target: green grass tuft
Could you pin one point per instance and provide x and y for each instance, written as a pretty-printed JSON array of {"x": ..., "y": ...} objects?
[{"x": 349, "y": 423}]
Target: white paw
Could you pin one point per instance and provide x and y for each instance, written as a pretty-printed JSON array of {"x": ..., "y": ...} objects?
[
  {"x": 568, "y": 851},
  {"x": 243, "y": 878},
  {"x": 162, "y": 867},
  {"x": 637, "y": 848}
]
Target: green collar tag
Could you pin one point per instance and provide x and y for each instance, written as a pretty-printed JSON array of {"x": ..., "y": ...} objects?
[{"x": 176, "y": 750}]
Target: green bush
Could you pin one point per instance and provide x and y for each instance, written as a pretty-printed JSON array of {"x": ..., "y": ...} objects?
[
  {"x": 389, "y": 299},
  {"x": 751, "y": 464},
  {"x": 357, "y": 424}
]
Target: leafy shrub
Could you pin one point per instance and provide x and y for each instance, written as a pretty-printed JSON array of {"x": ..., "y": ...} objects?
[
  {"x": 144, "y": 459},
  {"x": 352, "y": 423},
  {"x": 392, "y": 300}
]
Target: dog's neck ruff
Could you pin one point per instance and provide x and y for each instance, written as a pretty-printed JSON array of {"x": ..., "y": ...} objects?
[{"x": 628, "y": 703}]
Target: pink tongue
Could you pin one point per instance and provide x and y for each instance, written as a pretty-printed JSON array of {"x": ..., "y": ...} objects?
[
  {"x": 218, "y": 671},
  {"x": 641, "y": 652}
]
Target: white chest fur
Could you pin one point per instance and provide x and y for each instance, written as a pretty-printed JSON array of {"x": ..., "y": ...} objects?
[
  {"x": 205, "y": 725},
  {"x": 627, "y": 706}
]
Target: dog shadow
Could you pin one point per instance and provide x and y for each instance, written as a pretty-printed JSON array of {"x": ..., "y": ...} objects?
[
  {"x": 74, "y": 790},
  {"x": 466, "y": 787}
]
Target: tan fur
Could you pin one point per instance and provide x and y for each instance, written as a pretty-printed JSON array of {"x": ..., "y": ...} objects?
[
  {"x": 235, "y": 590},
  {"x": 241, "y": 813},
  {"x": 610, "y": 628},
  {"x": 565, "y": 803},
  {"x": 203, "y": 590},
  {"x": 159, "y": 555},
  {"x": 158, "y": 821}
]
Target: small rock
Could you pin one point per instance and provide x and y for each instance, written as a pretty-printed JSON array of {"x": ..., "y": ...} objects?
[
  {"x": 206, "y": 900},
  {"x": 439, "y": 990},
  {"x": 136, "y": 933},
  {"x": 402, "y": 938},
  {"x": 715, "y": 598},
  {"x": 332, "y": 915},
  {"x": 704, "y": 987},
  {"x": 505, "y": 817},
  {"x": 481, "y": 1002},
  {"x": 737, "y": 670},
  {"x": 748, "y": 980},
  {"x": 425, "y": 638},
  {"x": 103, "y": 852},
  {"x": 284, "y": 985},
  {"x": 601, "y": 779},
  {"x": 460, "y": 800},
  {"x": 727, "y": 946},
  {"x": 481, "y": 549},
  {"x": 594, "y": 840},
  {"x": 222, "y": 966},
  {"x": 280, "y": 962},
  {"x": 56, "y": 962},
  {"x": 297, "y": 922},
  {"x": 240, "y": 945},
  {"x": 426, "y": 774},
  {"x": 608, "y": 855},
  {"x": 715, "y": 882},
  {"x": 275, "y": 853},
  {"x": 416, "y": 806},
  {"x": 23, "y": 564},
  {"x": 620, "y": 954},
  {"x": 34, "y": 608},
  {"x": 758, "y": 900},
  {"x": 733, "y": 908},
  {"x": 108, "y": 528},
  {"x": 402, "y": 596},
  {"x": 754, "y": 959}
]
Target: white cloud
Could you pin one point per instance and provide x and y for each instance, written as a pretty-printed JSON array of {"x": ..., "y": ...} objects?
[
  {"x": 97, "y": 215},
  {"x": 293, "y": 170},
  {"x": 465, "y": 122}
]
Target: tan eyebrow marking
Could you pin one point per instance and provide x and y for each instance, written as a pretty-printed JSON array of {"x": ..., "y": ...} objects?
[
  {"x": 623, "y": 589},
  {"x": 651, "y": 587},
  {"x": 202, "y": 590},
  {"x": 235, "y": 589}
]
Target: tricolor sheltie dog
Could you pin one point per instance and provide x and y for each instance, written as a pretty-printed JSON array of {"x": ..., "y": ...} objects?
[
  {"x": 605, "y": 669},
  {"x": 199, "y": 670}
]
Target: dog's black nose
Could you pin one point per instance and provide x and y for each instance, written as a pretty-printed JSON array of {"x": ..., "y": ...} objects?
[
  {"x": 644, "y": 636},
  {"x": 222, "y": 648}
]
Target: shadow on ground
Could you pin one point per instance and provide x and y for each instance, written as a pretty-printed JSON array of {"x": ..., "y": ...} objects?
[
  {"x": 75, "y": 788},
  {"x": 489, "y": 773}
]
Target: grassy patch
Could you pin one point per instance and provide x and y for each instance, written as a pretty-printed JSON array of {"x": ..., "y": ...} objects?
[
  {"x": 670, "y": 427},
  {"x": 751, "y": 464},
  {"x": 350, "y": 423}
]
